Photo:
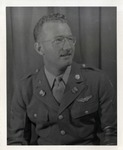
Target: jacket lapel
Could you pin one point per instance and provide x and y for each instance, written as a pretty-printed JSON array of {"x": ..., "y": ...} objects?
[
  {"x": 43, "y": 92},
  {"x": 75, "y": 86}
]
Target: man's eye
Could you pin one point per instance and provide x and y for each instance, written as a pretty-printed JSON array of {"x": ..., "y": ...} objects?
[
  {"x": 70, "y": 39},
  {"x": 59, "y": 40}
]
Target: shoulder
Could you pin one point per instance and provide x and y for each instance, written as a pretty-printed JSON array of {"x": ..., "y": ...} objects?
[
  {"x": 30, "y": 75},
  {"x": 90, "y": 71},
  {"x": 87, "y": 69},
  {"x": 28, "y": 80},
  {"x": 95, "y": 74},
  {"x": 90, "y": 68},
  {"x": 25, "y": 87},
  {"x": 92, "y": 74}
]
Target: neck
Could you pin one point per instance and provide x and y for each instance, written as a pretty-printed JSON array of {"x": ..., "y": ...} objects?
[{"x": 56, "y": 71}]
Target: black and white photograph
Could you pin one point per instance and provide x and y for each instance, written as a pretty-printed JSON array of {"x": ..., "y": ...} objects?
[{"x": 61, "y": 75}]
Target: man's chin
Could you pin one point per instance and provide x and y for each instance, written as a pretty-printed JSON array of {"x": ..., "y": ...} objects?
[{"x": 65, "y": 64}]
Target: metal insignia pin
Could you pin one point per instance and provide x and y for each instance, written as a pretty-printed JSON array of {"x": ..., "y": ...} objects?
[
  {"x": 42, "y": 93},
  {"x": 74, "y": 90},
  {"x": 77, "y": 76}
]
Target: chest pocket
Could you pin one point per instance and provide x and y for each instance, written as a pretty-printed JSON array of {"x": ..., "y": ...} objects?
[
  {"x": 84, "y": 106},
  {"x": 37, "y": 113}
]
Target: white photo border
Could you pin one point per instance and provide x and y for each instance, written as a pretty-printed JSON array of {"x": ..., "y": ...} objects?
[{"x": 3, "y": 82}]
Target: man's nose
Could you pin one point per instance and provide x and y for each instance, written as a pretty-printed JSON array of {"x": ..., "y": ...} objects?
[{"x": 66, "y": 44}]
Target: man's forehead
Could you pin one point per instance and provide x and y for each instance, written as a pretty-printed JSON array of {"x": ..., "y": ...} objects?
[
  {"x": 55, "y": 24},
  {"x": 53, "y": 29}
]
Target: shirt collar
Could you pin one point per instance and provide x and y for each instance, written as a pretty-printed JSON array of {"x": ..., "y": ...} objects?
[{"x": 51, "y": 77}]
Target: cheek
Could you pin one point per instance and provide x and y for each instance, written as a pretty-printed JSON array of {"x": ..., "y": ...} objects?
[
  {"x": 73, "y": 49},
  {"x": 48, "y": 51},
  {"x": 52, "y": 55}
]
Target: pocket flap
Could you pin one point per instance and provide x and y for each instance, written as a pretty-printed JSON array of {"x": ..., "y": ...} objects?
[
  {"x": 80, "y": 109},
  {"x": 38, "y": 114}
]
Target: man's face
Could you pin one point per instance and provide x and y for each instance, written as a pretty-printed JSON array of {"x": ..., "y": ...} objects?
[{"x": 57, "y": 51}]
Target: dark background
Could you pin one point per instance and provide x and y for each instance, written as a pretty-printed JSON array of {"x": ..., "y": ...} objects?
[{"x": 93, "y": 27}]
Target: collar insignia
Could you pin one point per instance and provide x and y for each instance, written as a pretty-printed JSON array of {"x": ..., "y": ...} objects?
[{"x": 77, "y": 76}]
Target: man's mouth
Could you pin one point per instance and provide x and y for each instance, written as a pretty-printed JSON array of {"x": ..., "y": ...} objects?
[{"x": 64, "y": 55}]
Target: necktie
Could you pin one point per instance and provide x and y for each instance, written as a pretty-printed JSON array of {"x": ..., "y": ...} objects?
[{"x": 58, "y": 89}]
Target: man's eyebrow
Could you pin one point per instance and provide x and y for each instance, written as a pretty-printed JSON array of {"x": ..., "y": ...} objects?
[
  {"x": 59, "y": 36},
  {"x": 63, "y": 36}
]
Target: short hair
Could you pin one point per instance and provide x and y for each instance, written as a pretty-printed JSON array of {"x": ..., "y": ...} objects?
[{"x": 55, "y": 17}]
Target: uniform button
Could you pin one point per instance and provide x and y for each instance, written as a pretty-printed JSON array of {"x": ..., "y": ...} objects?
[
  {"x": 84, "y": 65},
  {"x": 35, "y": 115},
  {"x": 86, "y": 112},
  {"x": 62, "y": 132},
  {"x": 60, "y": 117},
  {"x": 36, "y": 70}
]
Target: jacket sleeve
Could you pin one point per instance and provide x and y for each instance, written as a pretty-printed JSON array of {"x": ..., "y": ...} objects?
[
  {"x": 18, "y": 120},
  {"x": 107, "y": 111}
]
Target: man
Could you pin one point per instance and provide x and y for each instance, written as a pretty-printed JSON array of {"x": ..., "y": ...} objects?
[{"x": 65, "y": 103}]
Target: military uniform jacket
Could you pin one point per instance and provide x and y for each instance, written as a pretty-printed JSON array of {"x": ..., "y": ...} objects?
[{"x": 86, "y": 110}]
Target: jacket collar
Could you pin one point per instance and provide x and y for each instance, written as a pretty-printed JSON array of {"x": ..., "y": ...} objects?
[
  {"x": 51, "y": 77},
  {"x": 74, "y": 87}
]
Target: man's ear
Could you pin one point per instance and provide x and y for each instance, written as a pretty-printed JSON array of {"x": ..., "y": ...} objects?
[{"x": 38, "y": 48}]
